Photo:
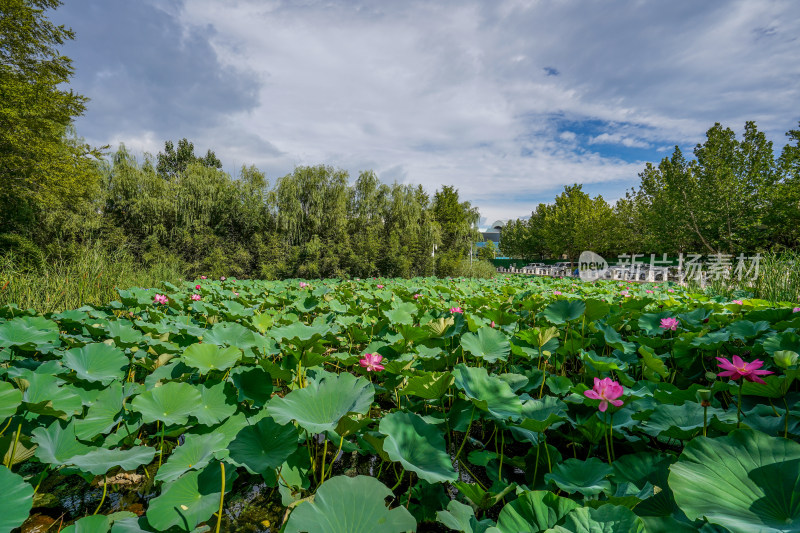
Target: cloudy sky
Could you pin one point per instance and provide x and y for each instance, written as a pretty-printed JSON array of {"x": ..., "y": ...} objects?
[{"x": 508, "y": 100}]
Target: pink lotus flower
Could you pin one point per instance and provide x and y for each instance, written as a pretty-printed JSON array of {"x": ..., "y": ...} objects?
[
  {"x": 235, "y": 293},
  {"x": 648, "y": 291},
  {"x": 196, "y": 297},
  {"x": 737, "y": 368},
  {"x": 557, "y": 293},
  {"x": 203, "y": 277},
  {"x": 670, "y": 290},
  {"x": 456, "y": 310},
  {"x": 160, "y": 299},
  {"x": 738, "y": 302},
  {"x": 669, "y": 324},
  {"x": 606, "y": 390},
  {"x": 416, "y": 296},
  {"x": 796, "y": 310},
  {"x": 380, "y": 286},
  {"x": 222, "y": 278},
  {"x": 372, "y": 362},
  {"x": 197, "y": 286},
  {"x": 303, "y": 284},
  {"x": 492, "y": 323}
]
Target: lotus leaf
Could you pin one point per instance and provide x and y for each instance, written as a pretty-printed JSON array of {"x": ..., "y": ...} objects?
[
  {"x": 208, "y": 357},
  {"x": 744, "y": 481},
  {"x": 605, "y": 519},
  {"x": 587, "y": 477},
  {"x": 189, "y": 500},
  {"x": 171, "y": 403},
  {"x": 263, "y": 446},
  {"x": 488, "y": 344},
  {"x": 488, "y": 393},
  {"x": 16, "y": 502},
  {"x": 97, "y": 362},
  {"x": 534, "y": 511},
  {"x": 319, "y": 406},
  {"x": 418, "y": 446},
  {"x": 353, "y": 505}
]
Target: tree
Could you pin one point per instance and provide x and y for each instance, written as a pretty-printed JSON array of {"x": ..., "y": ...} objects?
[
  {"x": 172, "y": 162},
  {"x": 40, "y": 167},
  {"x": 457, "y": 221},
  {"x": 487, "y": 252}
]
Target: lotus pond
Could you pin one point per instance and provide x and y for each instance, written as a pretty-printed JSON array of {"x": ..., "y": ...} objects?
[{"x": 493, "y": 406}]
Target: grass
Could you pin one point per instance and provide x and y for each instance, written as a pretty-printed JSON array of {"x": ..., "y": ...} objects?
[
  {"x": 778, "y": 280},
  {"x": 90, "y": 277}
]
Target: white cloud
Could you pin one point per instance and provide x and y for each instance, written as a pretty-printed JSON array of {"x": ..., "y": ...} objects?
[{"x": 467, "y": 92}]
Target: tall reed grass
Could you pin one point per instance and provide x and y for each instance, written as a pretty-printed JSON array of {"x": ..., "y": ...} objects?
[
  {"x": 777, "y": 280},
  {"x": 90, "y": 276}
]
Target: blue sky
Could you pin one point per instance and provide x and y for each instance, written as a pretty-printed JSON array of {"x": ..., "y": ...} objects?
[{"x": 508, "y": 100}]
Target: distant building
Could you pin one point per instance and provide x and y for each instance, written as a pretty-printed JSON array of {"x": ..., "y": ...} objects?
[{"x": 492, "y": 233}]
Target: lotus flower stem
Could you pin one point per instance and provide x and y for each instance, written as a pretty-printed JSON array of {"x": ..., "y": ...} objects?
[
  {"x": 502, "y": 445},
  {"x": 330, "y": 470},
  {"x": 41, "y": 477},
  {"x": 400, "y": 480},
  {"x": 466, "y": 433},
  {"x": 324, "y": 456},
  {"x": 739, "y": 406},
  {"x": 547, "y": 454},
  {"x": 161, "y": 445},
  {"x": 14, "y": 449},
  {"x": 786, "y": 420},
  {"x": 705, "y": 420},
  {"x": 6, "y": 426},
  {"x": 221, "y": 496},
  {"x": 463, "y": 464},
  {"x": 103, "y": 498},
  {"x": 536, "y": 463}
]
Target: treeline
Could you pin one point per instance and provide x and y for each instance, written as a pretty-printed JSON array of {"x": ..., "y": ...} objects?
[
  {"x": 310, "y": 223},
  {"x": 734, "y": 196}
]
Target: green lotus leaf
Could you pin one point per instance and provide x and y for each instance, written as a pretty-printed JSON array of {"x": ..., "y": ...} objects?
[
  {"x": 97, "y": 362},
  {"x": 352, "y": 505},
  {"x": 299, "y": 334},
  {"x": 194, "y": 454},
  {"x": 189, "y": 500},
  {"x": 538, "y": 415},
  {"x": 401, "y": 314},
  {"x": 100, "y": 460},
  {"x": 46, "y": 390},
  {"x": 103, "y": 414},
  {"x": 488, "y": 344},
  {"x": 745, "y": 330},
  {"x": 419, "y": 446},
  {"x": 787, "y": 340},
  {"x": 208, "y": 357},
  {"x": 713, "y": 340},
  {"x": 676, "y": 421},
  {"x": 124, "y": 334},
  {"x": 488, "y": 393},
  {"x": 29, "y": 334},
  {"x": 650, "y": 323},
  {"x": 429, "y": 386},
  {"x": 320, "y": 405},
  {"x": 745, "y": 481},
  {"x": 215, "y": 405},
  {"x": 232, "y": 334},
  {"x": 596, "y": 309},
  {"x": 10, "y": 399},
  {"x": 89, "y": 524},
  {"x": 16, "y": 502},
  {"x": 57, "y": 444},
  {"x": 253, "y": 383},
  {"x": 587, "y": 477},
  {"x": 534, "y": 511},
  {"x": 562, "y": 311},
  {"x": 615, "y": 340},
  {"x": 264, "y": 446},
  {"x": 652, "y": 365},
  {"x": 171, "y": 403},
  {"x": 460, "y": 517},
  {"x": 605, "y": 519}
]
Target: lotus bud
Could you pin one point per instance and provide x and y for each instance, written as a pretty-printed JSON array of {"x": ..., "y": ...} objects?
[
  {"x": 785, "y": 358},
  {"x": 704, "y": 397}
]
